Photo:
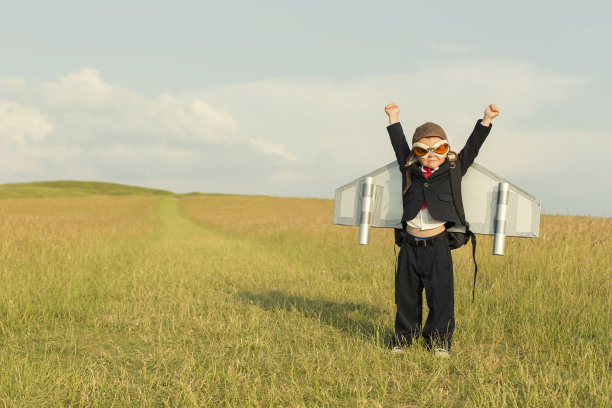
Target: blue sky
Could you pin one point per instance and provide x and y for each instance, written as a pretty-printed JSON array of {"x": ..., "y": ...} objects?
[{"x": 286, "y": 98}]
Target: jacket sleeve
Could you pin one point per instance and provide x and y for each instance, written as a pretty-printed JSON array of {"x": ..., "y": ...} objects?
[
  {"x": 400, "y": 146},
  {"x": 468, "y": 154}
]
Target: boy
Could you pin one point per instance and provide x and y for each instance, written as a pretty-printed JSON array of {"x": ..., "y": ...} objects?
[{"x": 425, "y": 259}]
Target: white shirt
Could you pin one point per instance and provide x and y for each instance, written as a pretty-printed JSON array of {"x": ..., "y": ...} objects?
[{"x": 424, "y": 220}]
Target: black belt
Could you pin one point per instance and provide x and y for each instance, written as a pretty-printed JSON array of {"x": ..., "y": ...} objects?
[{"x": 422, "y": 241}]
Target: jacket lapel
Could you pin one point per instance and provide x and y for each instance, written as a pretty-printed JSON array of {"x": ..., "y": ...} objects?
[{"x": 415, "y": 169}]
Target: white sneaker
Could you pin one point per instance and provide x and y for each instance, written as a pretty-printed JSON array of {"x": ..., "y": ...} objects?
[
  {"x": 396, "y": 350},
  {"x": 442, "y": 353}
]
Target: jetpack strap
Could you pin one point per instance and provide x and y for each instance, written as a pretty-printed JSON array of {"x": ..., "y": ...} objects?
[
  {"x": 473, "y": 238},
  {"x": 455, "y": 175},
  {"x": 396, "y": 261}
]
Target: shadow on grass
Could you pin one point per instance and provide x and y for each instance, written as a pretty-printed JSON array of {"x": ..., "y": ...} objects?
[{"x": 362, "y": 320}]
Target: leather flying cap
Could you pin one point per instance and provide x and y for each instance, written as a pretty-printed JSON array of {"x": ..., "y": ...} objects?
[{"x": 428, "y": 129}]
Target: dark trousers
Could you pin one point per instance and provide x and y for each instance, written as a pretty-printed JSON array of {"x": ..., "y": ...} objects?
[{"x": 431, "y": 268}]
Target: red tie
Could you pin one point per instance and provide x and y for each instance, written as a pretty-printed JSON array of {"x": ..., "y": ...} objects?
[{"x": 426, "y": 172}]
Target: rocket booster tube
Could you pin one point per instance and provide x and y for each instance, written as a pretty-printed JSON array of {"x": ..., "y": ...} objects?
[
  {"x": 367, "y": 208},
  {"x": 501, "y": 219}
]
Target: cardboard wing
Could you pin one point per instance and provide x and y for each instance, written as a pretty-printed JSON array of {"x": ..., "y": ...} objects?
[{"x": 492, "y": 205}]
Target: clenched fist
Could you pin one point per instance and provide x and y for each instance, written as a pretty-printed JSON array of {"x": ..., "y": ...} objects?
[
  {"x": 392, "y": 111},
  {"x": 490, "y": 112},
  {"x": 392, "y": 108}
]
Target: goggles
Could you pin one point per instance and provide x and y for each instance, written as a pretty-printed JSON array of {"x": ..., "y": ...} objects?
[{"x": 439, "y": 149}]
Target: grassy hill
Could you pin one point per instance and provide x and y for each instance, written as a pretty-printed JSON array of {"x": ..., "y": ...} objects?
[{"x": 70, "y": 188}]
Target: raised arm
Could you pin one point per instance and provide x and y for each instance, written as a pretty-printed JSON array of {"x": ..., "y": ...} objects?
[
  {"x": 477, "y": 138},
  {"x": 396, "y": 134}
]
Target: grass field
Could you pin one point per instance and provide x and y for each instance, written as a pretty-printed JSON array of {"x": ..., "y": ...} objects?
[{"x": 123, "y": 297}]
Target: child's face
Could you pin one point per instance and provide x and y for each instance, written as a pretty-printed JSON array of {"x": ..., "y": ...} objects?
[{"x": 431, "y": 160}]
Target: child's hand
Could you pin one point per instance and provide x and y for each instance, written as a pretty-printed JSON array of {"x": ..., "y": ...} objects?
[
  {"x": 491, "y": 111},
  {"x": 393, "y": 111}
]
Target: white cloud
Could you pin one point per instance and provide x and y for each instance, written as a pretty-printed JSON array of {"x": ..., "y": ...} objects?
[
  {"x": 195, "y": 121},
  {"x": 268, "y": 147},
  {"x": 19, "y": 123},
  {"x": 279, "y": 136},
  {"x": 341, "y": 124},
  {"x": 21, "y": 128},
  {"x": 82, "y": 85},
  {"x": 81, "y": 118},
  {"x": 337, "y": 128},
  {"x": 84, "y": 107}
]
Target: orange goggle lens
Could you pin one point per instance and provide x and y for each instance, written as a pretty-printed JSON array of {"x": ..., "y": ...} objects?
[{"x": 439, "y": 150}]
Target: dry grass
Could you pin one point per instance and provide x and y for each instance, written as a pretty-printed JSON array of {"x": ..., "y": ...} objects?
[{"x": 259, "y": 301}]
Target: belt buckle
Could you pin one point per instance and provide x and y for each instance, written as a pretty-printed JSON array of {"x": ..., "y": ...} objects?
[{"x": 421, "y": 242}]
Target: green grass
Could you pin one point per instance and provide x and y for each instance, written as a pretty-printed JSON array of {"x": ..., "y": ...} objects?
[
  {"x": 67, "y": 188},
  {"x": 213, "y": 300}
]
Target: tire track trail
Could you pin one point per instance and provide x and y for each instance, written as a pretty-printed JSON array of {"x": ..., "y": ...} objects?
[{"x": 188, "y": 250}]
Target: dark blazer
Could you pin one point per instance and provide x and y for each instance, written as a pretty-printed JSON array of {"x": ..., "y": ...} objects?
[{"x": 436, "y": 189}]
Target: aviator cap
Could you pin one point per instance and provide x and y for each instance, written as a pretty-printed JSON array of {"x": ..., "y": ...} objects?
[{"x": 428, "y": 129}]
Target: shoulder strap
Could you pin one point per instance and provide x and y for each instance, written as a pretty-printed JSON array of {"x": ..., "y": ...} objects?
[{"x": 455, "y": 175}]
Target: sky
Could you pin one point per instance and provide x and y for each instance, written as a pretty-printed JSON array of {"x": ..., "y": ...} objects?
[{"x": 287, "y": 98}]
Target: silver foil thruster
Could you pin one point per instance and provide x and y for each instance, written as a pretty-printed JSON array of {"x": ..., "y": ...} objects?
[
  {"x": 501, "y": 218},
  {"x": 367, "y": 208}
]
